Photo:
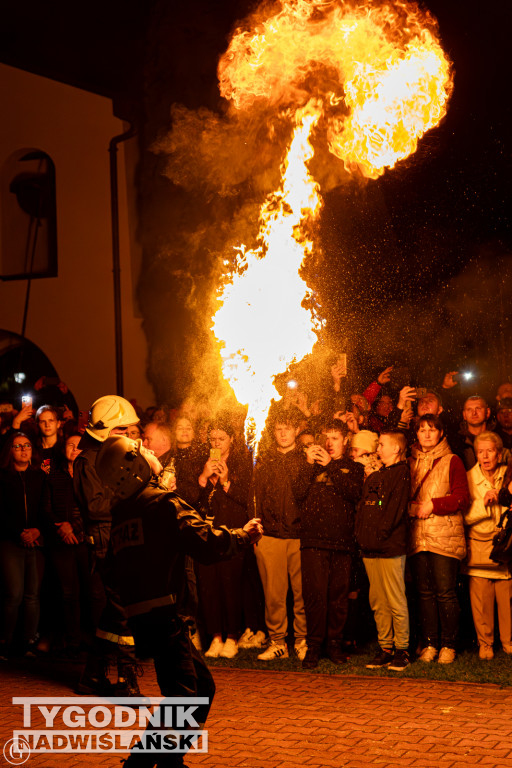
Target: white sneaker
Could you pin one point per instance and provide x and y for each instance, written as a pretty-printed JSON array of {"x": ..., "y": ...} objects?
[
  {"x": 247, "y": 639},
  {"x": 301, "y": 649},
  {"x": 259, "y": 639},
  {"x": 215, "y": 648},
  {"x": 251, "y": 640},
  {"x": 446, "y": 655},
  {"x": 230, "y": 649},
  {"x": 274, "y": 651},
  {"x": 428, "y": 654}
]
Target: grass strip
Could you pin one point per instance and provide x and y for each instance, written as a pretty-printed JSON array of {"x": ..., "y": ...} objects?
[{"x": 467, "y": 667}]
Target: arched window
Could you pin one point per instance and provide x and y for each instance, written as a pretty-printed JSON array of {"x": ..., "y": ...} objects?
[{"x": 28, "y": 216}]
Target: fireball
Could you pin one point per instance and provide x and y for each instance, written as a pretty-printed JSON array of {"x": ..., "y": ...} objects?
[{"x": 369, "y": 80}]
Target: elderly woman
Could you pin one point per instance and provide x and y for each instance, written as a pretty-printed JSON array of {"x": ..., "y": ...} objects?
[
  {"x": 439, "y": 497},
  {"x": 489, "y": 582}
]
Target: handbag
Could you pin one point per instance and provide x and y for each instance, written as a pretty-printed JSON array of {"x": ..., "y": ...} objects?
[
  {"x": 479, "y": 553},
  {"x": 501, "y": 551}
]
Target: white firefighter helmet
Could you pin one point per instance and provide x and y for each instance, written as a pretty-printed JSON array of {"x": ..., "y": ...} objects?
[
  {"x": 121, "y": 466},
  {"x": 109, "y": 412}
]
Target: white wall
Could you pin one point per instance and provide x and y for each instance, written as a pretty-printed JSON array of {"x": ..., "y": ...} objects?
[{"x": 71, "y": 317}]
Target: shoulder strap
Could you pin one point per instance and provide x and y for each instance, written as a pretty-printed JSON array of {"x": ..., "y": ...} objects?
[{"x": 418, "y": 489}]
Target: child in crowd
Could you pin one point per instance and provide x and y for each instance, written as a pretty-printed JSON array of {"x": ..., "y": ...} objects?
[
  {"x": 381, "y": 530},
  {"x": 363, "y": 449}
]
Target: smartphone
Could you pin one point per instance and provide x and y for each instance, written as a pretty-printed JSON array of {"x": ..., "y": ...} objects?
[
  {"x": 215, "y": 454},
  {"x": 321, "y": 440},
  {"x": 342, "y": 362},
  {"x": 464, "y": 376},
  {"x": 26, "y": 400}
]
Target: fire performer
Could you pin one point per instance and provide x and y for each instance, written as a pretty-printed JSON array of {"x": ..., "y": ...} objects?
[{"x": 153, "y": 531}]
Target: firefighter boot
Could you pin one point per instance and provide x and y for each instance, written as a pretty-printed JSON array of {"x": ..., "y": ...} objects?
[
  {"x": 127, "y": 685},
  {"x": 94, "y": 680}
]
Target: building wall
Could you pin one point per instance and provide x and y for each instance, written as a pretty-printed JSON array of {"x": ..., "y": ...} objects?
[{"x": 71, "y": 316}]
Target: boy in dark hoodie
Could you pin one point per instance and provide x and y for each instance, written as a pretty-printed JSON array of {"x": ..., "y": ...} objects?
[
  {"x": 328, "y": 541},
  {"x": 381, "y": 531}
]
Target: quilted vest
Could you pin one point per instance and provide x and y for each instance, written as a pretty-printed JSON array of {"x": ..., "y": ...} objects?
[{"x": 442, "y": 534}]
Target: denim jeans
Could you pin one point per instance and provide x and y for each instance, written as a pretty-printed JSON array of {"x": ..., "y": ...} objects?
[
  {"x": 435, "y": 577},
  {"x": 21, "y": 572}
]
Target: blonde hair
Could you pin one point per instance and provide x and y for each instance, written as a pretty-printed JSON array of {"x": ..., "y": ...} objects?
[
  {"x": 492, "y": 437},
  {"x": 400, "y": 440}
]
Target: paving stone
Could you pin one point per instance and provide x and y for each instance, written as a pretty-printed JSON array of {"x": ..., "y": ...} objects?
[{"x": 274, "y": 719}]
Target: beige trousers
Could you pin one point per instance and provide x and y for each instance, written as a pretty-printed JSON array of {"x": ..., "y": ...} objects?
[
  {"x": 483, "y": 593},
  {"x": 277, "y": 560},
  {"x": 388, "y": 601}
]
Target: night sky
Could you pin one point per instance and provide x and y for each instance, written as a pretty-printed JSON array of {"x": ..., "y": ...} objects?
[{"x": 416, "y": 266}]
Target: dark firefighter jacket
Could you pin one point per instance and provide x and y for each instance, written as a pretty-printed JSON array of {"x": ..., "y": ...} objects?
[
  {"x": 150, "y": 537},
  {"x": 93, "y": 499}
]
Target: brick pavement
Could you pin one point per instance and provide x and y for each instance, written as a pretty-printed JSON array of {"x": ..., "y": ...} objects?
[{"x": 273, "y": 719}]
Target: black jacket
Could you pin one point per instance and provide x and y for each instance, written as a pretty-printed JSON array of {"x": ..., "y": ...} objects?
[
  {"x": 231, "y": 507},
  {"x": 327, "y": 514},
  {"x": 381, "y": 520},
  {"x": 21, "y": 502},
  {"x": 60, "y": 506},
  {"x": 151, "y": 536},
  {"x": 280, "y": 485}
]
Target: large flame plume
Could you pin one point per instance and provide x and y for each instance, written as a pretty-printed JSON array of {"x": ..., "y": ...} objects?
[
  {"x": 368, "y": 80},
  {"x": 262, "y": 322}
]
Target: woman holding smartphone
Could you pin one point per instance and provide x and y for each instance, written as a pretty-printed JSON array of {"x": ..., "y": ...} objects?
[{"x": 225, "y": 486}]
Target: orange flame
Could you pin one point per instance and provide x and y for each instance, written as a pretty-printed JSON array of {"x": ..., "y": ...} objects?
[
  {"x": 372, "y": 79},
  {"x": 262, "y": 325}
]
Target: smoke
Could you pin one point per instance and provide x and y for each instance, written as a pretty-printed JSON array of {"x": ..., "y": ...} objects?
[{"x": 466, "y": 323}]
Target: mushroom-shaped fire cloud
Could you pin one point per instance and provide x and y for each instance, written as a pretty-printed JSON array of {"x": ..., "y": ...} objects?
[{"x": 368, "y": 80}]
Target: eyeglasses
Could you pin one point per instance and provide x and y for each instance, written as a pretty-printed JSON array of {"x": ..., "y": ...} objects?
[{"x": 24, "y": 447}]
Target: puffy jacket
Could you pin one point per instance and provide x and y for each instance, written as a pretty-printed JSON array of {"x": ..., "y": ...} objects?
[{"x": 438, "y": 476}]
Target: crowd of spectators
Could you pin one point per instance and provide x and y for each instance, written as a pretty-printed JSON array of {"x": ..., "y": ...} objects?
[{"x": 378, "y": 503}]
